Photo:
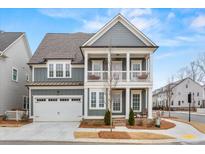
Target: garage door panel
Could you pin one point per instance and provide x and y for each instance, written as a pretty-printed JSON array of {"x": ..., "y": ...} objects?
[{"x": 58, "y": 109}]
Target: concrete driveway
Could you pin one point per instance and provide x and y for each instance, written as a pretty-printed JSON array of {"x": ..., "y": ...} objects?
[{"x": 40, "y": 131}]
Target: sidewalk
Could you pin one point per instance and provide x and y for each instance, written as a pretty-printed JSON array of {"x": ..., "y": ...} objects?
[
  {"x": 182, "y": 132},
  {"x": 186, "y": 112}
]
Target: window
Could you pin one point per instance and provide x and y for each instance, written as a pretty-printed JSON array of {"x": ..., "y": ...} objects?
[
  {"x": 179, "y": 103},
  {"x": 198, "y": 102},
  {"x": 101, "y": 99},
  {"x": 64, "y": 99},
  {"x": 25, "y": 103},
  {"x": 97, "y": 99},
  {"x": 172, "y": 103},
  {"x": 14, "y": 74},
  {"x": 136, "y": 100},
  {"x": 59, "y": 70},
  {"x": 67, "y": 70},
  {"x": 51, "y": 70},
  {"x": 186, "y": 85},
  {"x": 198, "y": 94},
  {"x": 93, "y": 99},
  {"x": 182, "y": 102},
  {"x": 52, "y": 99}
]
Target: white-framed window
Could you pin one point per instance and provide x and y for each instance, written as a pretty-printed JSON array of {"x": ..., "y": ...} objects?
[
  {"x": 14, "y": 74},
  {"x": 136, "y": 100},
  {"x": 27, "y": 77},
  {"x": 136, "y": 65},
  {"x": 59, "y": 69},
  {"x": 97, "y": 99},
  {"x": 97, "y": 65},
  {"x": 25, "y": 103}
]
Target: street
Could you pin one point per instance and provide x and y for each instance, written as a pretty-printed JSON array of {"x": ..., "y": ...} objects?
[{"x": 194, "y": 117}]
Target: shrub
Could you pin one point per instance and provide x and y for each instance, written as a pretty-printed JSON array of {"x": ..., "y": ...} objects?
[
  {"x": 131, "y": 120},
  {"x": 4, "y": 117},
  {"x": 107, "y": 118}
]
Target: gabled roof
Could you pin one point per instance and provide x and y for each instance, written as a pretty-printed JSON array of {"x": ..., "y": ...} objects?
[
  {"x": 60, "y": 46},
  {"x": 127, "y": 24},
  {"x": 8, "y": 38}
]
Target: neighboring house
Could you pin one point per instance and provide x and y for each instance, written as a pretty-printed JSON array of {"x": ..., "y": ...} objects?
[
  {"x": 179, "y": 98},
  {"x": 70, "y": 72},
  {"x": 14, "y": 71}
]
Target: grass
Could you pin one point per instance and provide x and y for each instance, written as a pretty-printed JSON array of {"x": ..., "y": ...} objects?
[
  {"x": 199, "y": 126},
  {"x": 122, "y": 135}
]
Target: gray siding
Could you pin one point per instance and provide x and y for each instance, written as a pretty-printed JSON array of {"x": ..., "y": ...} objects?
[
  {"x": 118, "y": 35},
  {"x": 40, "y": 74},
  {"x": 35, "y": 92},
  {"x": 11, "y": 92}
]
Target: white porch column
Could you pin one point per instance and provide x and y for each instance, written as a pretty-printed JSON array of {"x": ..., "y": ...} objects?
[
  {"x": 150, "y": 103},
  {"x": 108, "y": 63},
  {"x": 146, "y": 99},
  {"x": 85, "y": 102},
  {"x": 127, "y": 103},
  {"x": 86, "y": 67},
  {"x": 128, "y": 66}
]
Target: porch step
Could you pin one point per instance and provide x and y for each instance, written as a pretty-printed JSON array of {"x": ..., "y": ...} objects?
[{"x": 119, "y": 121}]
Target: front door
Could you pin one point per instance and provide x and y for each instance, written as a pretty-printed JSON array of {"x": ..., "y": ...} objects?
[{"x": 117, "y": 101}]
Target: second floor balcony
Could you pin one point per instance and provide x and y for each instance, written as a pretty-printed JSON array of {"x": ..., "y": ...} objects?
[{"x": 121, "y": 68}]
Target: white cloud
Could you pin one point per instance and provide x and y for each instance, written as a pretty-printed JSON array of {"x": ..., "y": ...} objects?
[
  {"x": 163, "y": 56},
  {"x": 198, "y": 22},
  {"x": 92, "y": 25},
  {"x": 171, "y": 15},
  {"x": 62, "y": 13},
  {"x": 132, "y": 13}
]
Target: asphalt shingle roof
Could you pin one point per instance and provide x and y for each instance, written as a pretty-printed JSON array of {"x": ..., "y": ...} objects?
[
  {"x": 60, "y": 46},
  {"x": 7, "y": 38}
]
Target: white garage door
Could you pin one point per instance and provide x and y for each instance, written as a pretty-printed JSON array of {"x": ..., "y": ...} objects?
[{"x": 57, "y": 108}]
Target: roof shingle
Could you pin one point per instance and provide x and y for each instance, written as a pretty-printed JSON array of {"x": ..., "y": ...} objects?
[
  {"x": 7, "y": 38},
  {"x": 60, "y": 46}
]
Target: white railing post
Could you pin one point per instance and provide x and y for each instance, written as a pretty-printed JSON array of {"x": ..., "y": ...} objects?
[
  {"x": 17, "y": 115},
  {"x": 128, "y": 66},
  {"x": 86, "y": 68},
  {"x": 151, "y": 68}
]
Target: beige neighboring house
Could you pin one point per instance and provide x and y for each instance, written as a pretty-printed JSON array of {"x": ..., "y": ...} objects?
[
  {"x": 179, "y": 99},
  {"x": 14, "y": 71}
]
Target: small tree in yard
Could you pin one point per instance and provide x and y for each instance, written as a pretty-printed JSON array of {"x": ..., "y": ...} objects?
[
  {"x": 107, "y": 118},
  {"x": 131, "y": 120}
]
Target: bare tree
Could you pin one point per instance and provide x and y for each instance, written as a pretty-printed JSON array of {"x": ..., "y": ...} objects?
[
  {"x": 182, "y": 73},
  {"x": 111, "y": 83},
  {"x": 169, "y": 93},
  {"x": 200, "y": 62}
]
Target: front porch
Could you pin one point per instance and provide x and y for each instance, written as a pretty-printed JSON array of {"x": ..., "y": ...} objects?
[{"x": 96, "y": 102}]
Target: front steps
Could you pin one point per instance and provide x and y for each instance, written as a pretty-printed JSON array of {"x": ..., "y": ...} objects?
[{"x": 121, "y": 121}]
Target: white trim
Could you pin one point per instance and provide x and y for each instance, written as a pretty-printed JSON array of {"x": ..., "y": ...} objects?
[
  {"x": 117, "y": 92},
  {"x": 27, "y": 102},
  {"x": 101, "y": 117},
  {"x": 29, "y": 92},
  {"x": 54, "y": 63},
  {"x": 127, "y": 102},
  {"x": 14, "y": 68},
  {"x": 77, "y": 65},
  {"x": 136, "y": 92},
  {"x": 126, "y": 23},
  {"x": 57, "y": 87},
  {"x": 57, "y": 96},
  {"x": 97, "y": 91}
]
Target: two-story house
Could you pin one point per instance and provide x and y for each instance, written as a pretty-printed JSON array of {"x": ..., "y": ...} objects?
[
  {"x": 72, "y": 73},
  {"x": 14, "y": 71},
  {"x": 179, "y": 91}
]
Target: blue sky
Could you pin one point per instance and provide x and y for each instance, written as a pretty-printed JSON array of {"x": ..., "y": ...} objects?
[{"x": 180, "y": 33}]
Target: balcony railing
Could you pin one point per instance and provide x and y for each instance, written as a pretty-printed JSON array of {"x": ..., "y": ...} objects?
[
  {"x": 138, "y": 76},
  {"x": 97, "y": 75}
]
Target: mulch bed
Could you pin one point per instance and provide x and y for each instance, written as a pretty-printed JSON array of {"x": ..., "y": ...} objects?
[
  {"x": 114, "y": 135},
  {"x": 164, "y": 125},
  {"x": 13, "y": 123},
  {"x": 96, "y": 123}
]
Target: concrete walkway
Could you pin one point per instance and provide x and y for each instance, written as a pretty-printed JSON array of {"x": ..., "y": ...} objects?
[{"x": 182, "y": 132}]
